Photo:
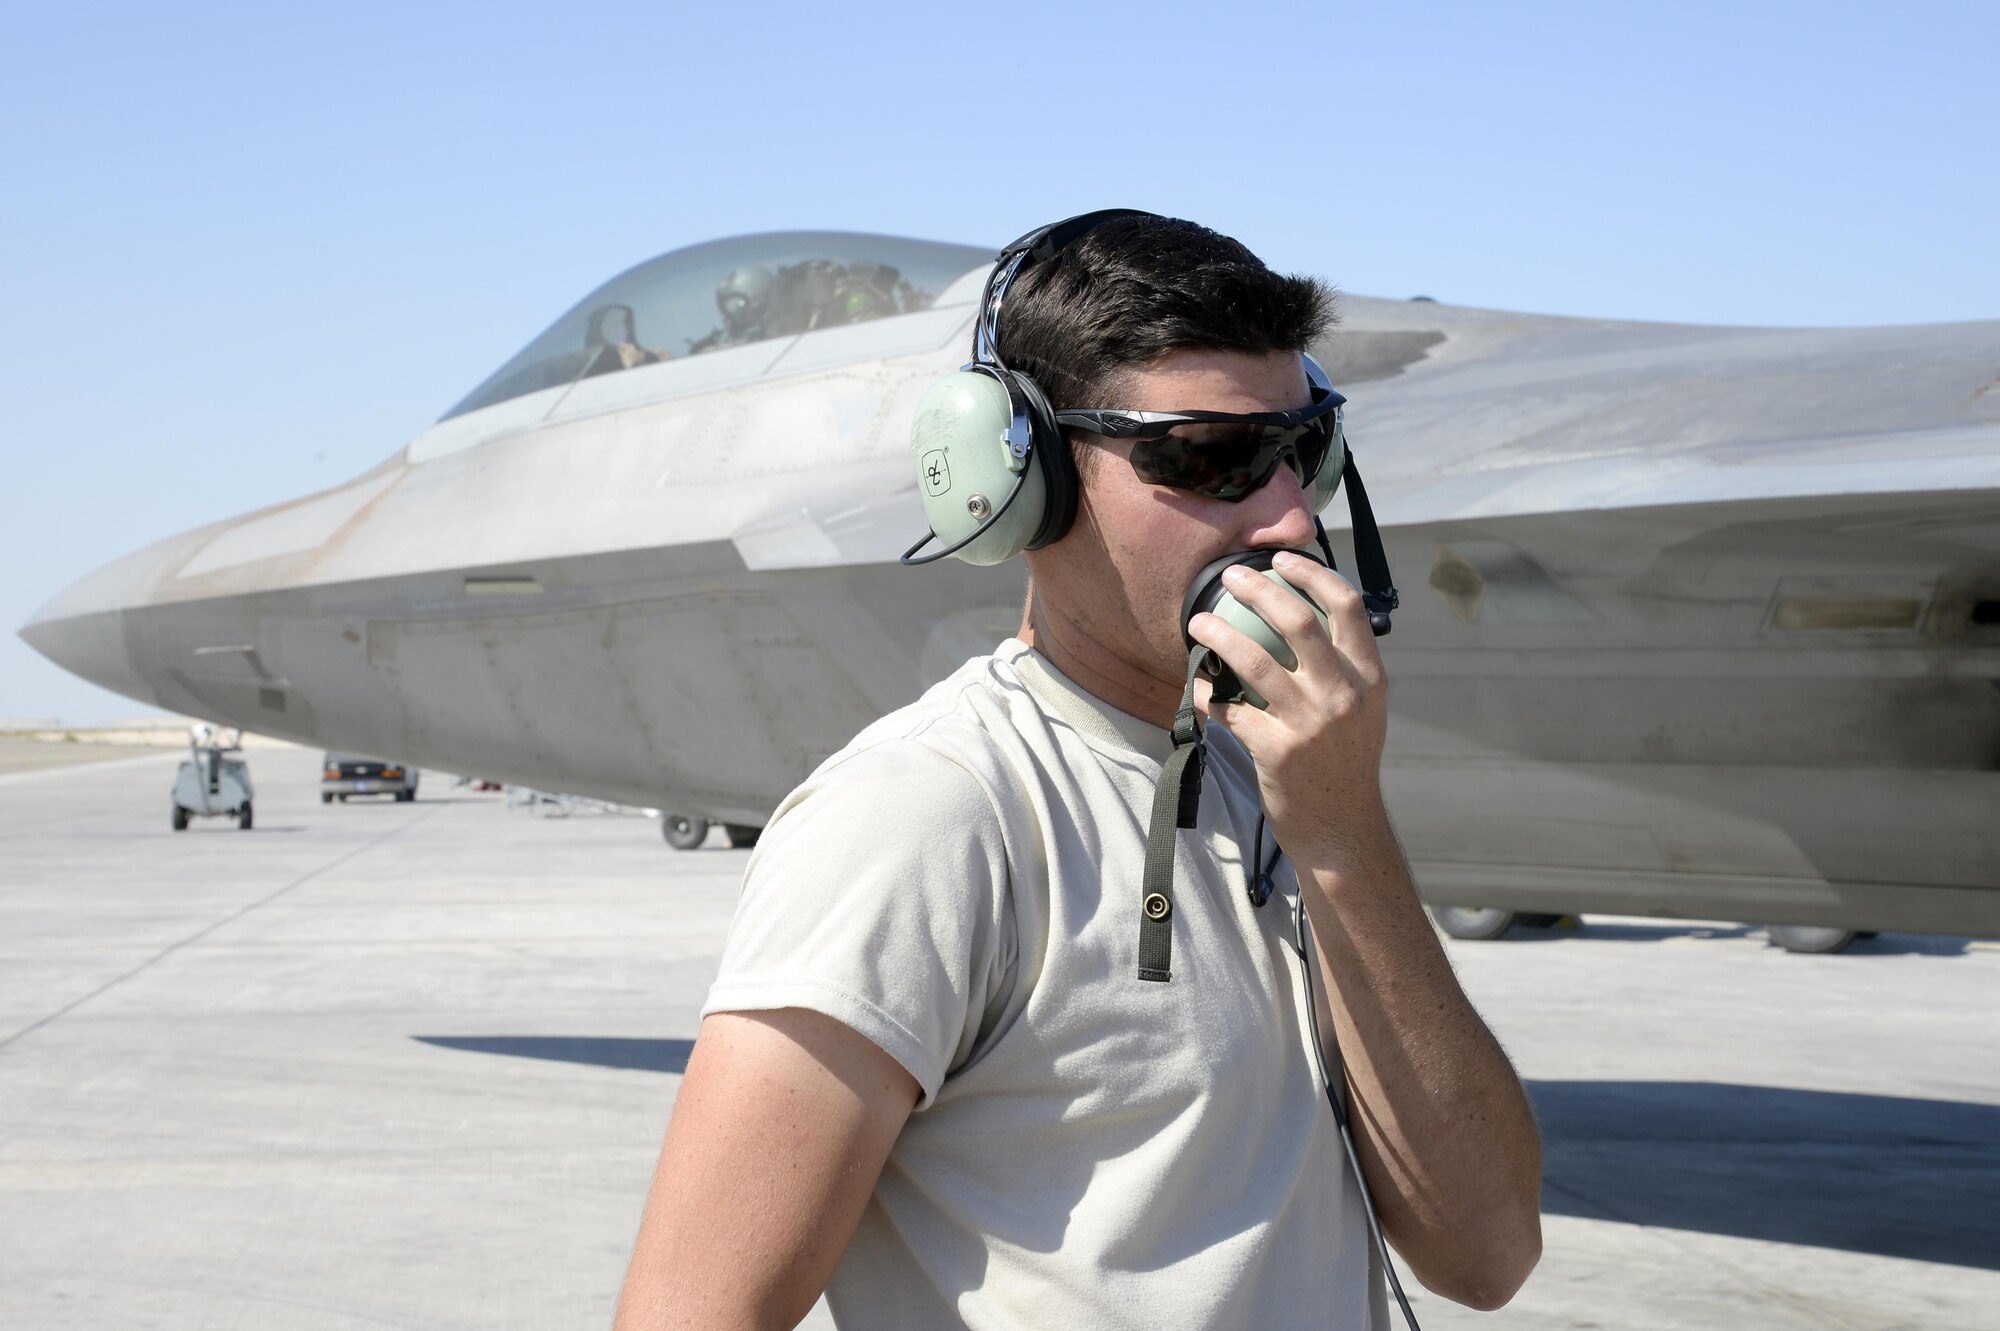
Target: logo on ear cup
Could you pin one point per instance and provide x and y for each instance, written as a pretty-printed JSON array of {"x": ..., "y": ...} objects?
[{"x": 936, "y": 471}]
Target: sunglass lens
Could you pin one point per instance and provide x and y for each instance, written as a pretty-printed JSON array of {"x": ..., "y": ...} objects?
[{"x": 1231, "y": 464}]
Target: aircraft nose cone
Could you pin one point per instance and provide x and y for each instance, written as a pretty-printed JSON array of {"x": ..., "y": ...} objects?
[
  {"x": 92, "y": 647},
  {"x": 82, "y": 628}
]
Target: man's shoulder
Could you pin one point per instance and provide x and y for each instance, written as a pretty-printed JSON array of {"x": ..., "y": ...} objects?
[
  {"x": 938, "y": 761},
  {"x": 960, "y": 721},
  {"x": 882, "y": 892}
]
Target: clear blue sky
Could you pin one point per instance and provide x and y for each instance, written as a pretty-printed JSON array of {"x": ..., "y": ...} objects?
[{"x": 247, "y": 251}]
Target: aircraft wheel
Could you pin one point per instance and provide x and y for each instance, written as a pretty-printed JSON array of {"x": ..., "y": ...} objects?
[
  {"x": 243, "y": 816},
  {"x": 1474, "y": 923},
  {"x": 741, "y": 836},
  {"x": 683, "y": 832},
  {"x": 180, "y": 819},
  {"x": 1816, "y": 938}
]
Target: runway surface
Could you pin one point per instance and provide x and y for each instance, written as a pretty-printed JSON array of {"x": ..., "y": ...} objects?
[
  {"x": 28, "y": 755},
  {"x": 407, "y": 1065}
]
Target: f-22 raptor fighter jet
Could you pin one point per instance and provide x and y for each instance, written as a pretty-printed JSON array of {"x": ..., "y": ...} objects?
[{"x": 1698, "y": 622}]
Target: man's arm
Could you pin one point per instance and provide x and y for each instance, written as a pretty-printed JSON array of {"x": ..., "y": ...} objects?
[
  {"x": 782, "y": 1126},
  {"x": 1445, "y": 1133}
]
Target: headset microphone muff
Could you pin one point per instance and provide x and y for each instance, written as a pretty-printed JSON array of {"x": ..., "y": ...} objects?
[{"x": 1206, "y": 593}]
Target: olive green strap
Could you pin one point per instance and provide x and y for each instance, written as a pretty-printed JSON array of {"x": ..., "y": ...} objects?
[{"x": 1175, "y": 803}]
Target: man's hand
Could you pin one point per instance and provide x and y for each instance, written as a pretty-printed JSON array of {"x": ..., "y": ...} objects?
[
  {"x": 1318, "y": 747},
  {"x": 1443, "y": 1128},
  {"x": 781, "y": 1128}
]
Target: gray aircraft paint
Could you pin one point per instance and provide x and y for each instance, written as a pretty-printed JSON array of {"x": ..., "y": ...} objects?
[{"x": 1696, "y": 620}]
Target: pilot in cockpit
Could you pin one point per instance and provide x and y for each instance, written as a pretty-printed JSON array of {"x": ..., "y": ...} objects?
[
  {"x": 611, "y": 342},
  {"x": 743, "y": 299},
  {"x": 757, "y": 303}
]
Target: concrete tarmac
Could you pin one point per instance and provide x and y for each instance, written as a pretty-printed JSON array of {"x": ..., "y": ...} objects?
[
  {"x": 407, "y": 1065},
  {"x": 29, "y": 755}
]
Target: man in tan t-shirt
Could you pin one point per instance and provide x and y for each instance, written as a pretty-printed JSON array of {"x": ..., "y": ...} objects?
[{"x": 928, "y": 1081}]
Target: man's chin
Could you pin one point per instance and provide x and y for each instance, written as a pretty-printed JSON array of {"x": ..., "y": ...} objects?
[{"x": 1167, "y": 661}]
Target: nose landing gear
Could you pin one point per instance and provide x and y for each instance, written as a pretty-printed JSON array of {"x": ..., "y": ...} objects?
[{"x": 683, "y": 832}]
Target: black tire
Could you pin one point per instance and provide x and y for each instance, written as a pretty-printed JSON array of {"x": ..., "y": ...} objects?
[
  {"x": 405, "y": 796},
  {"x": 180, "y": 819},
  {"x": 1817, "y": 939},
  {"x": 741, "y": 837},
  {"x": 1863, "y": 935},
  {"x": 243, "y": 816},
  {"x": 682, "y": 831},
  {"x": 1528, "y": 921},
  {"x": 343, "y": 799},
  {"x": 326, "y": 797},
  {"x": 1474, "y": 924}
]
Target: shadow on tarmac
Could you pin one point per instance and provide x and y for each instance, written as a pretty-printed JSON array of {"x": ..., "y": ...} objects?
[
  {"x": 1877, "y": 1174},
  {"x": 596, "y": 1050},
  {"x": 1595, "y": 931},
  {"x": 229, "y": 826},
  {"x": 1881, "y": 945},
  {"x": 1860, "y": 1173}
]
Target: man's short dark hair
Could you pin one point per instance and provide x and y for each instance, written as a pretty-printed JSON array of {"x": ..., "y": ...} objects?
[{"x": 1133, "y": 289}]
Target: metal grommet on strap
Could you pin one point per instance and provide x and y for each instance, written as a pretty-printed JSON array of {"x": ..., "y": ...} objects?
[{"x": 1175, "y": 803}]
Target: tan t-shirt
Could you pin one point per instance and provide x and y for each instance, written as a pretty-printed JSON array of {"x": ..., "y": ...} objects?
[{"x": 961, "y": 885}]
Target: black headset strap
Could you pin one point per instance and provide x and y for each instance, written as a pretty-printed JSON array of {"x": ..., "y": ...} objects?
[
  {"x": 1378, "y": 593},
  {"x": 1176, "y": 800}
]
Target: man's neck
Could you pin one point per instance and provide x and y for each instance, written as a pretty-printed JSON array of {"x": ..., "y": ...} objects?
[{"x": 1096, "y": 669}]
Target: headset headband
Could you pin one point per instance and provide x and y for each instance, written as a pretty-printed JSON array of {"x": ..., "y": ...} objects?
[
  {"x": 1037, "y": 246},
  {"x": 1044, "y": 241}
]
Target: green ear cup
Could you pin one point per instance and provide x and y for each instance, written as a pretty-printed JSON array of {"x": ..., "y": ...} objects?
[
  {"x": 967, "y": 470},
  {"x": 1327, "y": 479}
]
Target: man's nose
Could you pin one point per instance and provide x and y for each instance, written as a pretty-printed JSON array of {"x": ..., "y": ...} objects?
[{"x": 1277, "y": 513}]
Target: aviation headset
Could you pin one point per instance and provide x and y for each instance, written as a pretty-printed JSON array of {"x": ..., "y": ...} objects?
[{"x": 989, "y": 430}]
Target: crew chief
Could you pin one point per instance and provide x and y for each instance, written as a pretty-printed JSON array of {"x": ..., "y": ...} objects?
[{"x": 927, "y": 1081}]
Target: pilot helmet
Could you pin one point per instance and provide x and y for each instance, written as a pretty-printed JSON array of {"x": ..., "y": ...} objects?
[
  {"x": 742, "y": 294},
  {"x": 858, "y": 304}
]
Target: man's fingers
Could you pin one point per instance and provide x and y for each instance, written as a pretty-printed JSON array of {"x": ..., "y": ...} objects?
[
  {"x": 1242, "y": 654},
  {"x": 1282, "y": 610},
  {"x": 1317, "y": 653},
  {"x": 1205, "y": 705},
  {"x": 1346, "y": 611}
]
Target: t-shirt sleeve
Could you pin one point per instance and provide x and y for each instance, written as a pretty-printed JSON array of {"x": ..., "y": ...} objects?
[{"x": 877, "y": 895}]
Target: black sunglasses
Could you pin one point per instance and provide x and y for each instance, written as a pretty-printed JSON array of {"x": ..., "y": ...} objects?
[{"x": 1220, "y": 454}]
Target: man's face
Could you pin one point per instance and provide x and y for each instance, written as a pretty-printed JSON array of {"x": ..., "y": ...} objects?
[{"x": 1125, "y": 566}]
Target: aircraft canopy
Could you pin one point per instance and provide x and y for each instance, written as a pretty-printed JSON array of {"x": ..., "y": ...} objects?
[{"x": 727, "y": 293}]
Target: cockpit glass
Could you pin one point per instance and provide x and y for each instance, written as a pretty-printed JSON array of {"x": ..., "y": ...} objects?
[{"x": 729, "y": 293}]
